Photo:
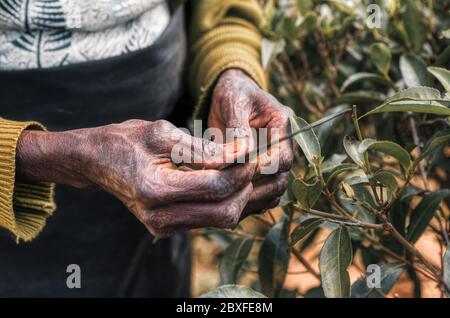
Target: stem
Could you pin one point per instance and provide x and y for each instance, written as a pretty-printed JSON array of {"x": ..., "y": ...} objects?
[
  {"x": 261, "y": 220},
  {"x": 416, "y": 140},
  {"x": 305, "y": 263},
  {"x": 366, "y": 154},
  {"x": 356, "y": 123},
  {"x": 243, "y": 234},
  {"x": 338, "y": 219},
  {"x": 405, "y": 261},
  {"x": 290, "y": 71},
  {"x": 359, "y": 224},
  {"x": 323, "y": 214},
  {"x": 398, "y": 257},
  {"x": 414, "y": 251},
  {"x": 272, "y": 218}
]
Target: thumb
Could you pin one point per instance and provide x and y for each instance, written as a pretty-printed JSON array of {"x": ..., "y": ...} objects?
[{"x": 204, "y": 153}]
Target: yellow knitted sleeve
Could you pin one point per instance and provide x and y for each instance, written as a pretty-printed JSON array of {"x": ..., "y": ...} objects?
[
  {"x": 224, "y": 35},
  {"x": 24, "y": 207}
]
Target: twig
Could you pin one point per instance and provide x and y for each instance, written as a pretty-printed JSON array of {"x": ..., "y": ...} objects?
[
  {"x": 359, "y": 224},
  {"x": 406, "y": 262},
  {"x": 338, "y": 219},
  {"x": 321, "y": 214},
  {"x": 414, "y": 251},
  {"x": 243, "y": 234},
  {"x": 261, "y": 220},
  {"x": 290, "y": 70},
  {"x": 272, "y": 218},
  {"x": 368, "y": 169},
  {"x": 416, "y": 140},
  {"x": 305, "y": 263}
]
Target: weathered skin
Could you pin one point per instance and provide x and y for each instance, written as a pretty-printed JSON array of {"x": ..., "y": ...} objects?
[
  {"x": 132, "y": 161},
  {"x": 239, "y": 102}
]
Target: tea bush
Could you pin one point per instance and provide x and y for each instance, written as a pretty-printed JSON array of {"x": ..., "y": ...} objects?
[{"x": 377, "y": 178}]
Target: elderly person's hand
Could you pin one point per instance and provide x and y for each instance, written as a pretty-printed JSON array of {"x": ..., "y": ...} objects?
[
  {"x": 134, "y": 162},
  {"x": 238, "y": 102}
]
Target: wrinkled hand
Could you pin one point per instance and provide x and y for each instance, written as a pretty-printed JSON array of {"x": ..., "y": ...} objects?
[
  {"x": 238, "y": 102},
  {"x": 132, "y": 161}
]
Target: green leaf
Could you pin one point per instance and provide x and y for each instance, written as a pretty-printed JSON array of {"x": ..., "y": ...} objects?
[
  {"x": 232, "y": 291},
  {"x": 360, "y": 97},
  {"x": 401, "y": 208},
  {"x": 446, "y": 269},
  {"x": 306, "y": 194},
  {"x": 288, "y": 196},
  {"x": 413, "y": 20},
  {"x": 424, "y": 213},
  {"x": 304, "y": 229},
  {"x": 345, "y": 167},
  {"x": 443, "y": 58},
  {"x": 330, "y": 164},
  {"x": 441, "y": 138},
  {"x": 387, "y": 179},
  {"x": 233, "y": 258},
  {"x": 446, "y": 33},
  {"x": 415, "y": 106},
  {"x": 425, "y": 107},
  {"x": 388, "y": 147},
  {"x": 414, "y": 71},
  {"x": 360, "y": 77},
  {"x": 289, "y": 28},
  {"x": 309, "y": 24},
  {"x": 273, "y": 259},
  {"x": 303, "y": 6},
  {"x": 381, "y": 57},
  {"x": 390, "y": 274},
  {"x": 363, "y": 194},
  {"x": 442, "y": 75},
  {"x": 405, "y": 100},
  {"x": 351, "y": 146},
  {"x": 335, "y": 257},
  {"x": 416, "y": 93},
  {"x": 308, "y": 141}
]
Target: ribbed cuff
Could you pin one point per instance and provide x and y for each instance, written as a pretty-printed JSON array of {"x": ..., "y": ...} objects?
[{"x": 24, "y": 207}]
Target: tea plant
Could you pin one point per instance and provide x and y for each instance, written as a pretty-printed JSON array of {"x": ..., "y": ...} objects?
[{"x": 377, "y": 179}]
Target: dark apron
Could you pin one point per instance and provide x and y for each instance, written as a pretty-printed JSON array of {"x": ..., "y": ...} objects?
[{"x": 91, "y": 228}]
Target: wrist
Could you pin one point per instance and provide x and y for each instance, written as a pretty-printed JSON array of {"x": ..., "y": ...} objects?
[
  {"x": 234, "y": 73},
  {"x": 51, "y": 157}
]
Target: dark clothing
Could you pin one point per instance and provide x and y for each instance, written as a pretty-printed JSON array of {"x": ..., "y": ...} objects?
[{"x": 91, "y": 228}]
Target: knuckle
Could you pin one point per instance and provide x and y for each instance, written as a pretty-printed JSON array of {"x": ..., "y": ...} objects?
[
  {"x": 274, "y": 203},
  {"x": 160, "y": 125},
  {"x": 135, "y": 122},
  {"x": 155, "y": 221},
  {"x": 280, "y": 187},
  {"x": 231, "y": 216},
  {"x": 287, "y": 111},
  {"x": 221, "y": 187},
  {"x": 144, "y": 192},
  {"x": 286, "y": 160}
]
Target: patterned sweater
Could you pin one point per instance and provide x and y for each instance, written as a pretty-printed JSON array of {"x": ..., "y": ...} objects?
[
  {"x": 224, "y": 34},
  {"x": 52, "y": 33}
]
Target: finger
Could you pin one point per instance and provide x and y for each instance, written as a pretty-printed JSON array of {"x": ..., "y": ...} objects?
[
  {"x": 182, "y": 148},
  {"x": 209, "y": 154},
  {"x": 174, "y": 218},
  {"x": 259, "y": 207},
  {"x": 232, "y": 117},
  {"x": 284, "y": 149},
  {"x": 199, "y": 185},
  {"x": 278, "y": 127},
  {"x": 267, "y": 193}
]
